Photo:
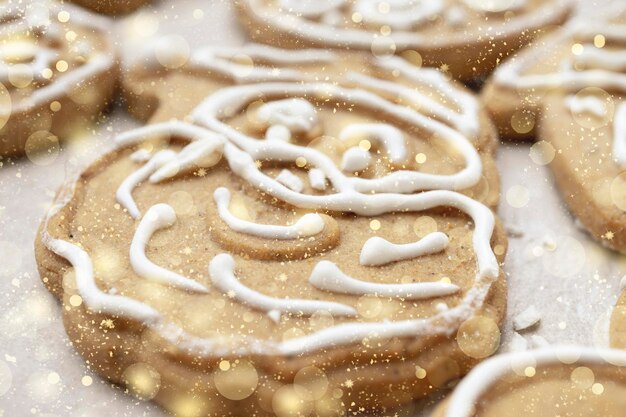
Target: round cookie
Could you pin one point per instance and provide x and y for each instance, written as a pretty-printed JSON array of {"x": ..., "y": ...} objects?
[
  {"x": 162, "y": 85},
  {"x": 290, "y": 259},
  {"x": 467, "y": 38},
  {"x": 585, "y": 52},
  {"x": 57, "y": 72},
  {"x": 566, "y": 381},
  {"x": 112, "y": 7}
]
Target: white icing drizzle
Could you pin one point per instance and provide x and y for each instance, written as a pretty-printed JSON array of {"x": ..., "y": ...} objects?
[
  {"x": 327, "y": 276},
  {"x": 378, "y": 251},
  {"x": 619, "y": 135},
  {"x": 490, "y": 372},
  {"x": 166, "y": 164},
  {"x": 588, "y": 104},
  {"x": 383, "y": 134},
  {"x": 140, "y": 155},
  {"x": 124, "y": 191},
  {"x": 317, "y": 179},
  {"x": 278, "y": 132},
  {"x": 157, "y": 217},
  {"x": 296, "y": 114},
  {"x": 495, "y": 6},
  {"x": 222, "y": 272},
  {"x": 346, "y": 199},
  {"x": 311, "y": 8},
  {"x": 209, "y": 112},
  {"x": 355, "y": 159},
  {"x": 221, "y": 60},
  {"x": 290, "y": 180},
  {"x": 310, "y": 224},
  {"x": 402, "y": 14},
  {"x": 29, "y": 19}
]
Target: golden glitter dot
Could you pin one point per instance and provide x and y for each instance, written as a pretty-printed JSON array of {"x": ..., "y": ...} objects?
[
  {"x": 62, "y": 66},
  {"x": 86, "y": 380},
  {"x": 424, "y": 225},
  {"x": 46, "y": 73},
  {"x": 142, "y": 380},
  {"x": 301, "y": 161},
  {"x": 369, "y": 307},
  {"x": 172, "y": 51},
  {"x": 518, "y": 196},
  {"x": 583, "y": 377},
  {"x": 76, "y": 300},
  {"x": 63, "y": 16},
  {"x": 198, "y": 14},
  {"x": 42, "y": 148},
  {"x": 478, "y": 337},
  {"x": 365, "y": 145},
  {"x": 562, "y": 325},
  {"x": 239, "y": 381},
  {"x": 224, "y": 365},
  {"x": 383, "y": 47},
  {"x": 542, "y": 153},
  {"x": 498, "y": 250},
  {"x": 530, "y": 371},
  {"x": 599, "y": 41},
  {"x": 385, "y": 30},
  {"x": 53, "y": 378},
  {"x": 375, "y": 224},
  {"x": 357, "y": 17},
  {"x": 577, "y": 49},
  {"x": 597, "y": 388},
  {"x": 55, "y": 106},
  {"x": 413, "y": 57},
  {"x": 445, "y": 280},
  {"x": 287, "y": 403},
  {"x": 310, "y": 383},
  {"x": 522, "y": 121},
  {"x": 420, "y": 158},
  {"x": 383, "y": 7},
  {"x": 70, "y": 36},
  {"x": 420, "y": 372}
]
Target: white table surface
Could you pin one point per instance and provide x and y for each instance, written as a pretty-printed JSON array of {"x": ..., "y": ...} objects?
[{"x": 555, "y": 266}]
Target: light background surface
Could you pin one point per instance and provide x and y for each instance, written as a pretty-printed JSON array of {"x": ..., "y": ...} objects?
[{"x": 553, "y": 265}]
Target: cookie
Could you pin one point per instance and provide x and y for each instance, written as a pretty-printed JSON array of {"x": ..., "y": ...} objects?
[
  {"x": 57, "y": 72},
  {"x": 282, "y": 255},
  {"x": 157, "y": 88},
  {"x": 112, "y": 7},
  {"x": 565, "y": 381},
  {"x": 585, "y": 52},
  {"x": 466, "y": 38}
]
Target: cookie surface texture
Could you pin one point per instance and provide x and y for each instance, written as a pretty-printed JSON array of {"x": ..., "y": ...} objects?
[
  {"x": 57, "y": 70},
  {"x": 317, "y": 244}
]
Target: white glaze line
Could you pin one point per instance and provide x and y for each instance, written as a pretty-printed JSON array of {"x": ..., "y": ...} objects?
[
  {"x": 378, "y": 251},
  {"x": 221, "y": 270},
  {"x": 157, "y": 217},
  {"x": 327, "y": 276},
  {"x": 290, "y": 180},
  {"x": 588, "y": 104},
  {"x": 310, "y": 224}
]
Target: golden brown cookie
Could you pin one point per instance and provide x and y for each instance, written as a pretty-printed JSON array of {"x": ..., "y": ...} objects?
[
  {"x": 57, "y": 72},
  {"x": 287, "y": 253},
  {"x": 554, "y": 381},
  {"x": 112, "y": 7},
  {"x": 163, "y": 85},
  {"x": 585, "y": 52},
  {"x": 466, "y": 38}
]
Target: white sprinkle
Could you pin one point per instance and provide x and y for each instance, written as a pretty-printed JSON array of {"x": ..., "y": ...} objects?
[
  {"x": 518, "y": 343},
  {"x": 274, "y": 315},
  {"x": 514, "y": 231},
  {"x": 526, "y": 318},
  {"x": 317, "y": 179},
  {"x": 289, "y": 180},
  {"x": 539, "y": 341},
  {"x": 355, "y": 159}
]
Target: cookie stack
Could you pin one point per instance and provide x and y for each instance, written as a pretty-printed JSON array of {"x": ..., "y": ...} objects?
[{"x": 306, "y": 225}]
